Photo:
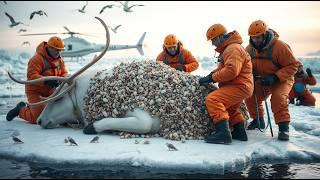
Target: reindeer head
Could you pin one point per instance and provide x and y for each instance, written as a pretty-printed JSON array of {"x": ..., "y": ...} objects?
[{"x": 60, "y": 107}]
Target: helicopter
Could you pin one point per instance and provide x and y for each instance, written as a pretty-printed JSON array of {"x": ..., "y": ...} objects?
[{"x": 78, "y": 47}]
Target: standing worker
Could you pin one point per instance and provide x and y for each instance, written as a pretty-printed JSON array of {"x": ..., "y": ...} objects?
[
  {"x": 234, "y": 75},
  {"x": 274, "y": 66}
]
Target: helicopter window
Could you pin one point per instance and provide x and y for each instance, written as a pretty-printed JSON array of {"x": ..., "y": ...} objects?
[{"x": 69, "y": 47}]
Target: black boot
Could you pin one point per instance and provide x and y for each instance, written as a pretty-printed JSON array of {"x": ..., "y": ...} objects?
[
  {"x": 283, "y": 131},
  {"x": 239, "y": 132},
  {"x": 15, "y": 111},
  {"x": 292, "y": 101},
  {"x": 222, "y": 134},
  {"x": 254, "y": 124}
]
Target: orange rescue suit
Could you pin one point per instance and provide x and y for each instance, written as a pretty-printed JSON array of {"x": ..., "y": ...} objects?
[
  {"x": 275, "y": 58},
  {"x": 37, "y": 68},
  {"x": 183, "y": 58},
  {"x": 306, "y": 97},
  {"x": 234, "y": 75}
]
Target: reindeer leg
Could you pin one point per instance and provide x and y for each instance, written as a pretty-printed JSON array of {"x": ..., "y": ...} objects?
[{"x": 137, "y": 121}]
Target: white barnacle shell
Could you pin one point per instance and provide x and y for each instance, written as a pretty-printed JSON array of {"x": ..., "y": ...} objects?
[{"x": 175, "y": 98}]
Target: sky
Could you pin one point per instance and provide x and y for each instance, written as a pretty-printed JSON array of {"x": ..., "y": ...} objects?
[{"x": 296, "y": 22}]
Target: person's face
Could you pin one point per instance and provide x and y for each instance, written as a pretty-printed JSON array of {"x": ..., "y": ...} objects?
[
  {"x": 54, "y": 52},
  {"x": 172, "y": 49},
  {"x": 216, "y": 41},
  {"x": 258, "y": 40}
]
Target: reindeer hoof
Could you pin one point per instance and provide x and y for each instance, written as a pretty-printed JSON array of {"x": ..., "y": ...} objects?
[{"x": 89, "y": 129}]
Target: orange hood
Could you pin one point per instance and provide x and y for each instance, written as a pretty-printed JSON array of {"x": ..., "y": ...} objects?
[
  {"x": 273, "y": 37},
  {"x": 234, "y": 38}
]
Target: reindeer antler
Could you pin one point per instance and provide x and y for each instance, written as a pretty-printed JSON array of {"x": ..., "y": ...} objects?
[
  {"x": 36, "y": 81},
  {"x": 69, "y": 80}
]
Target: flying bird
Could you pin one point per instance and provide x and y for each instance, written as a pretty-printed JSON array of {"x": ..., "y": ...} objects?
[
  {"x": 72, "y": 141},
  {"x": 82, "y": 10},
  {"x": 127, "y": 8},
  {"x": 171, "y": 147},
  {"x": 16, "y": 140},
  {"x": 26, "y": 43},
  {"x": 22, "y": 30},
  {"x": 107, "y": 6},
  {"x": 95, "y": 139},
  {"x": 114, "y": 29},
  {"x": 40, "y": 13},
  {"x": 13, "y": 22}
]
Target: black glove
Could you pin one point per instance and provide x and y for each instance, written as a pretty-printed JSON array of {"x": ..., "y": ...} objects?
[
  {"x": 180, "y": 68},
  {"x": 309, "y": 72},
  {"x": 205, "y": 80},
  {"x": 52, "y": 83},
  {"x": 269, "y": 80}
]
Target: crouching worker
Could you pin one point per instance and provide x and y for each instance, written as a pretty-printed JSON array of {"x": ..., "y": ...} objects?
[
  {"x": 299, "y": 91},
  {"x": 274, "y": 66},
  {"x": 176, "y": 56},
  {"x": 234, "y": 75},
  {"x": 46, "y": 62}
]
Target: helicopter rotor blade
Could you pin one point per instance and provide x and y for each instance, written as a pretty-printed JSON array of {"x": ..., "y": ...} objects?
[
  {"x": 70, "y": 33},
  {"x": 36, "y": 34},
  {"x": 67, "y": 29},
  {"x": 90, "y": 35}
]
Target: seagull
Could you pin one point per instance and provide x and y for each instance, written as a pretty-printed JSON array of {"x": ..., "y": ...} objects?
[
  {"x": 82, "y": 10},
  {"x": 146, "y": 142},
  {"x": 26, "y": 43},
  {"x": 16, "y": 140},
  {"x": 40, "y": 13},
  {"x": 13, "y": 22},
  {"x": 171, "y": 147},
  {"x": 114, "y": 29},
  {"x": 72, "y": 141},
  {"x": 22, "y": 30},
  {"x": 107, "y": 6},
  {"x": 95, "y": 139},
  {"x": 126, "y": 8}
]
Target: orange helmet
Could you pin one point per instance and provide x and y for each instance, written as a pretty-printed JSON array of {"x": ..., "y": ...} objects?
[
  {"x": 257, "y": 28},
  {"x": 215, "y": 30},
  {"x": 170, "y": 40},
  {"x": 56, "y": 43}
]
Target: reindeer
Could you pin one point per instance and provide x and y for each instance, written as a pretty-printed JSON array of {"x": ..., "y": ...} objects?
[{"x": 66, "y": 104}]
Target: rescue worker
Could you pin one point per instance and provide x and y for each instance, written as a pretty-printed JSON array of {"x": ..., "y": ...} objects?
[
  {"x": 274, "y": 66},
  {"x": 176, "y": 56},
  {"x": 234, "y": 75},
  {"x": 300, "y": 90},
  {"x": 47, "y": 61}
]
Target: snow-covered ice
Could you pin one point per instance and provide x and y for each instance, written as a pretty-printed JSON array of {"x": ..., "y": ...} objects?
[{"x": 47, "y": 145}]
